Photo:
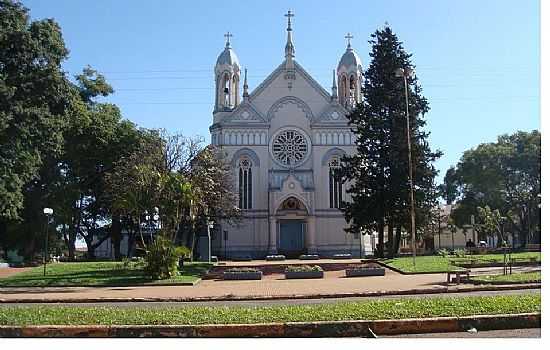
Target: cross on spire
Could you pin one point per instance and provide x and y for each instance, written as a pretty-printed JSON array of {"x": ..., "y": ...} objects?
[
  {"x": 349, "y": 37},
  {"x": 289, "y": 15},
  {"x": 228, "y": 36}
]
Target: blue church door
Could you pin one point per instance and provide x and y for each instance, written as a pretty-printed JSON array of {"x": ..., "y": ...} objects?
[{"x": 291, "y": 237}]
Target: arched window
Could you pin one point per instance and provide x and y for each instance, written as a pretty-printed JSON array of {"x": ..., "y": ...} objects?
[
  {"x": 335, "y": 184},
  {"x": 343, "y": 89},
  {"x": 245, "y": 183},
  {"x": 352, "y": 92}
]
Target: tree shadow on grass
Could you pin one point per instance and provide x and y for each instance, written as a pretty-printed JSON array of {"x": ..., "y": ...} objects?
[{"x": 100, "y": 277}]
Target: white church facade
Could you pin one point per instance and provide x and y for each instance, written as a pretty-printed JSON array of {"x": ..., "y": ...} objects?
[{"x": 282, "y": 141}]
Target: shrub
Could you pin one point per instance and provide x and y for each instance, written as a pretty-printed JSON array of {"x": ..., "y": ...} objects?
[
  {"x": 366, "y": 266},
  {"x": 161, "y": 259},
  {"x": 303, "y": 268},
  {"x": 461, "y": 253},
  {"x": 443, "y": 252}
]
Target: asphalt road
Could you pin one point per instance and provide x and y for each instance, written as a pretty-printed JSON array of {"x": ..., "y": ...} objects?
[
  {"x": 278, "y": 302},
  {"x": 507, "y": 333}
]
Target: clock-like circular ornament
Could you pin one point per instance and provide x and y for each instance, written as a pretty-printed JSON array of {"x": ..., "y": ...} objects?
[{"x": 290, "y": 147}]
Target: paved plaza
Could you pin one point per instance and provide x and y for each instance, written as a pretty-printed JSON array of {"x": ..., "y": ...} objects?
[{"x": 272, "y": 285}]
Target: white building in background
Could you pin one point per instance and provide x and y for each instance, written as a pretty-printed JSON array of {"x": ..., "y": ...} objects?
[{"x": 282, "y": 139}]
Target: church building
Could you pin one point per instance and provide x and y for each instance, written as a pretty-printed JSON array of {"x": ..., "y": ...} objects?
[{"x": 283, "y": 139}]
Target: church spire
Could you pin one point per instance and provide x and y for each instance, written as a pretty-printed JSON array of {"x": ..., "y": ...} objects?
[
  {"x": 349, "y": 37},
  {"x": 245, "y": 85},
  {"x": 334, "y": 89},
  {"x": 289, "y": 48},
  {"x": 228, "y": 36}
]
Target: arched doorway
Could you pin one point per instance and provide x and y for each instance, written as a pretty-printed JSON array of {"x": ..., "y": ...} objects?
[{"x": 291, "y": 216}]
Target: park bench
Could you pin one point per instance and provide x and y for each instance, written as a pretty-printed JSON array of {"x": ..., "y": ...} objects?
[
  {"x": 532, "y": 247},
  {"x": 458, "y": 275},
  {"x": 531, "y": 259}
]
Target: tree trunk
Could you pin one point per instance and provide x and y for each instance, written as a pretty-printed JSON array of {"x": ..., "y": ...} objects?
[
  {"x": 390, "y": 239},
  {"x": 116, "y": 234},
  {"x": 397, "y": 240},
  {"x": 380, "y": 248},
  {"x": 131, "y": 243}
]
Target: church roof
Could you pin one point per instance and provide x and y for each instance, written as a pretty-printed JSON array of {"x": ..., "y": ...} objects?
[
  {"x": 280, "y": 70},
  {"x": 350, "y": 59},
  {"x": 228, "y": 55}
]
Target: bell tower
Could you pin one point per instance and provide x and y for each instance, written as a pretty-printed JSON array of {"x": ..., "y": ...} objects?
[
  {"x": 350, "y": 77},
  {"x": 227, "y": 74}
]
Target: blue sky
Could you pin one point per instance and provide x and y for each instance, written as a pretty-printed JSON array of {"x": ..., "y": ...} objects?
[{"x": 478, "y": 61}]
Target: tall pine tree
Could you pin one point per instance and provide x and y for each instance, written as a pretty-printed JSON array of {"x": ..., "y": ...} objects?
[{"x": 378, "y": 172}]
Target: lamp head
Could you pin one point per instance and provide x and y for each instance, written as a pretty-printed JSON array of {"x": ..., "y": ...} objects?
[
  {"x": 400, "y": 72},
  {"x": 48, "y": 211}
]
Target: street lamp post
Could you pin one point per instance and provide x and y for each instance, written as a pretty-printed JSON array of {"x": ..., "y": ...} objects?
[
  {"x": 48, "y": 212},
  {"x": 406, "y": 73}
]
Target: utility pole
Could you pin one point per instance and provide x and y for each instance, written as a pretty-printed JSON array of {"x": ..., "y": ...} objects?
[
  {"x": 47, "y": 212},
  {"x": 405, "y": 73}
]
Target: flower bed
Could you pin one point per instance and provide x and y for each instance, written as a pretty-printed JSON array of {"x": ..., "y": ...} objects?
[
  {"x": 303, "y": 271},
  {"x": 242, "y": 273},
  {"x": 275, "y": 257},
  {"x": 365, "y": 270},
  {"x": 309, "y": 257}
]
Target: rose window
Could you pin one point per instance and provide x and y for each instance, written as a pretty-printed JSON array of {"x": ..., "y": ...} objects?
[{"x": 289, "y": 148}]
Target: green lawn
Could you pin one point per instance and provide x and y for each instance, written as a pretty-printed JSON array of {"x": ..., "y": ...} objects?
[
  {"x": 513, "y": 278},
  {"x": 96, "y": 274},
  {"x": 190, "y": 315},
  {"x": 434, "y": 263}
]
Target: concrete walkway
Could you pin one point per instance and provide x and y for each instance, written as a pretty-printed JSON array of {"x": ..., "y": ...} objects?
[
  {"x": 275, "y": 284},
  {"x": 272, "y": 285}
]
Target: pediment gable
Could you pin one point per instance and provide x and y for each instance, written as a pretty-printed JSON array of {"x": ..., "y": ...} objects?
[
  {"x": 333, "y": 114},
  {"x": 245, "y": 113},
  {"x": 302, "y": 85}
]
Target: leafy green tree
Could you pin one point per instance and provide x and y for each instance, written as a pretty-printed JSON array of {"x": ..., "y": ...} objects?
[
  {"x": 34, "y": 98},
  {"x": 504, "y": 175},
  {"x": 490, "y": 223},
  {"x": 95, "y": 138},
  {"x": 449, "y": 189},
  {"x": 378, "y": 172},
  {"x": 214, "y": 195}
]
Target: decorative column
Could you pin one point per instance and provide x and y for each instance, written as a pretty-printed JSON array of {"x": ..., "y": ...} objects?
[
  {"x": 310, "y": 237},
  {"x": 273, "y": 238}
]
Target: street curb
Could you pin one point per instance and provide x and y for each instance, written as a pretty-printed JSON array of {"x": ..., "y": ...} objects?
[
  {"x": 147, "y": 284},
  {"x": 291, "y": 329},
  {"x": 443, "y": 290}
]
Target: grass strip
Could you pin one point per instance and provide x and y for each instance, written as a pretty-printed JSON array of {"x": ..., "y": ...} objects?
[
  {"x": 96, "y": 274},
  {"x": 523, "y": 277},
  {"x": 177, "y": 315},
  {"x": 435, "y": 263}
]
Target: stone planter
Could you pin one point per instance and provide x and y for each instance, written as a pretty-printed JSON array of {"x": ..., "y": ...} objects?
[
  {"x": 275, "y": 257},
  {"x": 373, "y": 271},
  {"x": 303, "y": 274},
  {"x": 4, "y": 265},
  {"x": 256, "y": 275},
  {"x": 309, "y": 257},
  {"x": 341, "y": 256},
  {"x": 242, "y": 258}
]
